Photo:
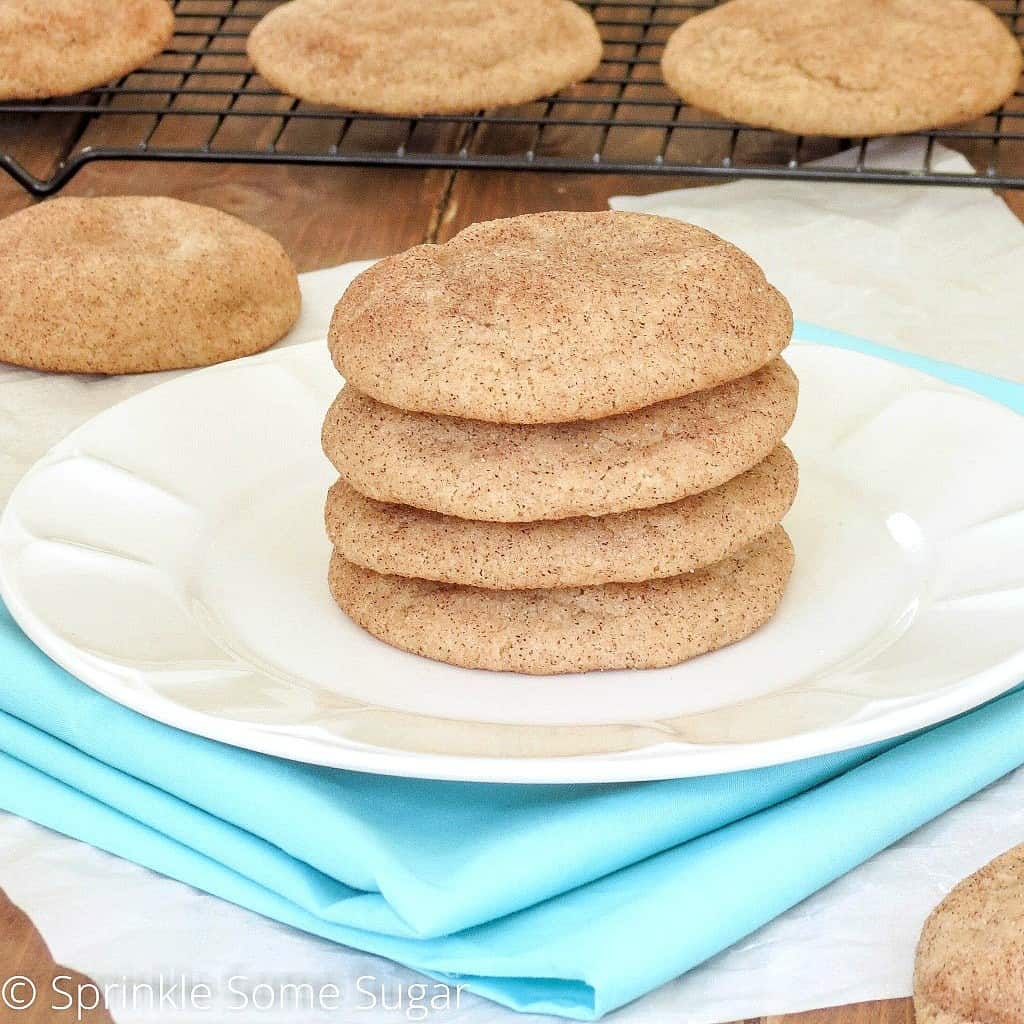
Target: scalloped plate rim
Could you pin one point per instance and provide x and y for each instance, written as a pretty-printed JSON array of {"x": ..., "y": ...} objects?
[{"x": 671, "y": 759}]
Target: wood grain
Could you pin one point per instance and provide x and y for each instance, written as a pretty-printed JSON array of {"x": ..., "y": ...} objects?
[
  {"x": 887, "y": 1011},
  {"x": 37, "y": 143},
  {"x": 24, "y": 953},
  {"x": 321, "y": 216}
]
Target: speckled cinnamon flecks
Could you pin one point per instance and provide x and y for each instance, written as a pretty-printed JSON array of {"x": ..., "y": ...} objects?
[
  {"x": 133, "y": 284},
  {"x": 653, "y": 543},
  {"x": 577, "y": 629},
  {"x": 414, "y": 57},
  {"x": 970, "y": 958},
  {"x": 521, "y": 473},
  {"x": 559, "y": 445},
  {"x": 58, "y": 47},
  {"x": 556, "y": 317},
  {"x": 845, "y": 67}
]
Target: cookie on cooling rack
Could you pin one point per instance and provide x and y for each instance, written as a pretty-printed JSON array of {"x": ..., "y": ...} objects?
[
  {"x": 970, "y": 959},
  {"x": 66, "y": 46},
  {"x": 522, "y": 473},
  {"x": 578, "y": 629},
  {"x": 410, "y": 57},
  {"x": 557, "y": 316},
  {"x": 132, "y": 284},
  {"x": 844, "y": 67}
]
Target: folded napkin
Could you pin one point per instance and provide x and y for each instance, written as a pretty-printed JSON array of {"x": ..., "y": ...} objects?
[{"x": 570, "y": 900}]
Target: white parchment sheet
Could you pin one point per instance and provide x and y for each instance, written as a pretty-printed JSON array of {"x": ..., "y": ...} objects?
[{"x": 935, "y": 271}]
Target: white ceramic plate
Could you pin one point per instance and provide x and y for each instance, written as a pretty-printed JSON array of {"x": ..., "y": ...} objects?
[{"x": 171, "y": 554}]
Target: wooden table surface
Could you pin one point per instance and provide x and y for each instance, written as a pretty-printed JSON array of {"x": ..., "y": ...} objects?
[{"x": 325, "y": 216}]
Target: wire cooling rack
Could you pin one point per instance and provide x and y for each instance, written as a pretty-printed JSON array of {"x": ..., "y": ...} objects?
[{"x": 201, "y": 100}]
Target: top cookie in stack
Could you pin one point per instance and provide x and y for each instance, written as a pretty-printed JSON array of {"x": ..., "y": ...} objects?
[{"x": 560, "y": 445}]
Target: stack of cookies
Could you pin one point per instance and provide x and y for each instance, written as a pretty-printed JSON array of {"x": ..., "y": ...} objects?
[{"x": 559, "y": 445}]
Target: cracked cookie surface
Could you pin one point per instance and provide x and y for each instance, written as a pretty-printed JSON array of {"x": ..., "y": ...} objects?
[
  {"x": 844, "y": 67},
  {"x": 134, "y": 284},
  {"x": 410, "y": 57},
  {"x": 65, "y": 46},
  {"x": 555, "y": 317}
]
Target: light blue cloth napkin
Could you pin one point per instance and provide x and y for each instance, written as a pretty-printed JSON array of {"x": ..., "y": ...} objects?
[{"x": 570, "y": 900}]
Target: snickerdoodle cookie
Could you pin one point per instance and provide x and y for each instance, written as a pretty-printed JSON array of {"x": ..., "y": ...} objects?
[
  {"x": 653, "y": 543},
  {"x": 132, "y": 284},
  {"x": 970, "y": 959},
  {"x": 555, "y": 317},
  {"x": 410, "y": 57},
  {"x": 575, "y": 629},
  {"x": 65, "y": 46},
  {"x": 519, "y": 473},
  {"x": 845, "y": 67}
]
